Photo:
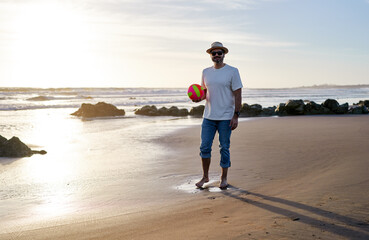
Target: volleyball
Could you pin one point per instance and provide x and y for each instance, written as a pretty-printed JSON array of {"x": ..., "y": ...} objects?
[{"x": 195, "y": 92}]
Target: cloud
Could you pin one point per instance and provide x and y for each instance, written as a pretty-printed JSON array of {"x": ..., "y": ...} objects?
[
  {"x": 194, "y": 21},
  {"x": 164, "y": 25}
]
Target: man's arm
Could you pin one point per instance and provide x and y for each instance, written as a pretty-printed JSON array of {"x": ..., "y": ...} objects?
[
  {"x": 238, "y": 99},
  {"x": 238, "y": 103}
]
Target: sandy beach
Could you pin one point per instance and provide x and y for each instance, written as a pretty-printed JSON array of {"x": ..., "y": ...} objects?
[{"x": 291, "y": 178}]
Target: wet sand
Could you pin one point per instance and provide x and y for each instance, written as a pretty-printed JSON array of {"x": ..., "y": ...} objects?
[{"x": 291, "y": 178}]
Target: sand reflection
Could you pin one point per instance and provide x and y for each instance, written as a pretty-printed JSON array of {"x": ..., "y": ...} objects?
[
  {"x": 49, "y": 175},
  {"x": 54, "y": 202},
  {"x": 189, "y": 186}
]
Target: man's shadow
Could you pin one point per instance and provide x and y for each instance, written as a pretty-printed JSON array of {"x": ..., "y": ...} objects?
[{"x": 360, "y": 229}]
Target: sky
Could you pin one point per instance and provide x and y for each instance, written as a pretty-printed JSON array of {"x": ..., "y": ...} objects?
[{"x": 162, "y": 43}]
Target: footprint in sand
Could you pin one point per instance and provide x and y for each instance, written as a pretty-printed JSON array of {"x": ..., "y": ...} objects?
[
  {"x": 207, "y": 211},
  {"x": 224, "y": 219}
]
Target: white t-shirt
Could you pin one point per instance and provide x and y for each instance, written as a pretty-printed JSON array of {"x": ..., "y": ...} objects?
[{"x": 220, "y": 84}]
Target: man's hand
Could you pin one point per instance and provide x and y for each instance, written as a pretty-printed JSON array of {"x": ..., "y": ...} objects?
[
  {"x": 234, "y": 122},
  {"x": 203, "y": 97}
]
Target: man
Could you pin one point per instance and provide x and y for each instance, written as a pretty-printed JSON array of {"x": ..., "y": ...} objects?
[{"x": 223, "y": 86}]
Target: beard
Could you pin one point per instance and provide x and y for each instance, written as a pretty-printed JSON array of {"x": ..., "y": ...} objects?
[{"x": 217, "y": 60}]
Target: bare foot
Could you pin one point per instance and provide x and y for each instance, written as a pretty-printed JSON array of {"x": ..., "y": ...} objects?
[
  {"x": 201, "y": 182},
  {"x": 223, "y": 184}
]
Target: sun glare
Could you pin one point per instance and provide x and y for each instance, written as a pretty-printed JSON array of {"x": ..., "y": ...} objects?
[
  {"x": 50, "y": 45},
  {"x": 49, "y": 132}
]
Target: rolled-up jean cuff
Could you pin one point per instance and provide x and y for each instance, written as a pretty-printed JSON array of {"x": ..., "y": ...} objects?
[
  {"x": 225, "y": 165},
  {"x": 205, "y": 155}
]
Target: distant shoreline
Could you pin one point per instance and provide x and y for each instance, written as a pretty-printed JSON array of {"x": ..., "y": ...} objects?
[{"x": 323, "y": 86}]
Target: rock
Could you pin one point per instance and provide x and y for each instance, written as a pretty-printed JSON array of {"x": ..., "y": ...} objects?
[
  {"x": 342, "y": 109},
  {"x": 269, "y": 111},
  {"x": 173, "y": 111},
  {"x": 365, "y": 110},
  {"x": 197, "y": 111},
  {"x": 148, "y": 111},
  {"x": 363, "y": 103},
  {"x": 295, "y": 107},
  {"x": 244, "y": 110},
  {"x": 356, "y": 109},
  {"x": 42, "y": 152},
  {"x": 153, "y": 111},
  {"x": 183, "y": 112},
  {"x": 100, "y": 109},
  {"x": 2, "y": 140},
  {"x": 14, "y": 148},
  {"x": 331, "y": 104},
  {"x": 312, "y": 108},
  {"x": 251, "y": 110},
  {"x": 281, "y": 109},
  {"x": 163, "y": 111},
  {"x": 324, "y": 110}
]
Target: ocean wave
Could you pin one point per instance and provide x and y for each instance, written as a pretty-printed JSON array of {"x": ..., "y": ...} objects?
[
  {"x": 31, "y": 98},
  {"x": 40, "y": 98},
  {"x": 49, "y": 98},
  {"x": 34, "y": 107}
]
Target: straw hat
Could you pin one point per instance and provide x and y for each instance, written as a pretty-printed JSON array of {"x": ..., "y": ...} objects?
[{"x": 216, "y": 45}]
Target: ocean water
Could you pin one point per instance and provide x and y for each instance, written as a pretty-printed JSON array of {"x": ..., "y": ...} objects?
[
  {"x": 132, "y": 98},
  {"x": 95, "y": 165}
]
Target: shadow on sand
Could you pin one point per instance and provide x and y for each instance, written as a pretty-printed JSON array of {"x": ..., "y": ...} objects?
[
  {"x": 354, "y": 229},
  {"x": 7, "y": 160}
]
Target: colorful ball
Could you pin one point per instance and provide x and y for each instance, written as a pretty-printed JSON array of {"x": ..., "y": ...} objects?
[{"x": 195, "y": 92}]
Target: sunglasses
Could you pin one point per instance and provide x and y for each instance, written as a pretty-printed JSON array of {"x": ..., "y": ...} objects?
[{"x": 219, "y": 53}]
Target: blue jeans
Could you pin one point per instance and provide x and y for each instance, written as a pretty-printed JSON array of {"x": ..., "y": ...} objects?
[{"x": 208, "y": 130}]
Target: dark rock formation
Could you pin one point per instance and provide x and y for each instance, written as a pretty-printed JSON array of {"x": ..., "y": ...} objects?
[
  {"x": 312, "y": 108},
  {"x": 174, "y": 111},
  {"x": 149, "y": 110},
  {"x": 39, "y": 152},
  {"x": 2, "y": 140},
  {"x": 335, "y": 107},
  {"x": 15, "y": 148},
  {"x": 153, "y": 111},
  {"x": 362, "y": 107},
  {"x": 281, "y": 109},
  {"x": 197, "y": 111},
  {"x": 343, "y": 108},
  {"x": 294, "y": 107},
  {"x": 251, "y": 110},
  {"x": 162, "y": 111},
  {"x": 331, "y": 104},
  {"x": 363, "y": 103},
  {"x": 299, "y": 107},
  {"x": 290, "y": 108},
  {"x": 256, "y": 110},
  {"x": 100, "y": 109},
  {"x": 357, "y": 109},
  {"x": 269, "y": 111}
]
